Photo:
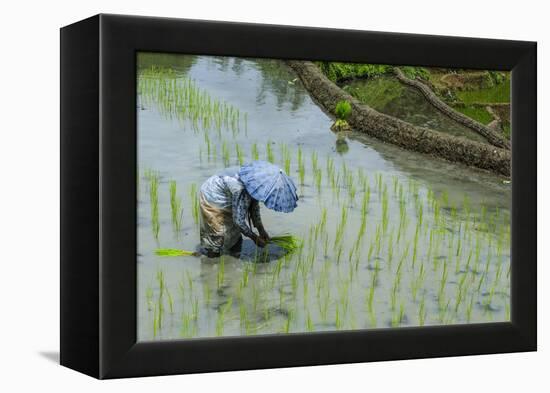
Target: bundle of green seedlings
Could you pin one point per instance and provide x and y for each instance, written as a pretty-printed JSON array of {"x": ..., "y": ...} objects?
[
  {"x": 289, "y": 243},
  {"x": 342, "y": 112},
  {"x": 174, "y": 252}
]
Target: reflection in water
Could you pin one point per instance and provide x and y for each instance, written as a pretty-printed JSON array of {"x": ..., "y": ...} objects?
[
  {"x": 341, "y": 145},
  {"x": 444, "y": 177},
  {"x": 178, "y": 63},
  {"x": 278, "y": 79},
  {"x": 387, "y": 95}
]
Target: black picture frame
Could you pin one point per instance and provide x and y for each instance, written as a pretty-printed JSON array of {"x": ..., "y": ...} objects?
[{"x": 98, "y": 196}]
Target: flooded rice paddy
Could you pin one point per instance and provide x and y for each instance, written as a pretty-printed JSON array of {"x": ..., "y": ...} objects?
[
  {"x": 387, "y": 95},
  {"x": 389, "y": 237}
]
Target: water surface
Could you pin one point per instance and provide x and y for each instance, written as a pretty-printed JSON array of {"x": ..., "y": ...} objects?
[{"x": 434, "y": 243}]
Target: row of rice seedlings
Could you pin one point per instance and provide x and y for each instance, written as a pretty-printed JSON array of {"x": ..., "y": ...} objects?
[
  {"x": 286, "y": 158},
  {"x": 269, "y": 155},
  {"x": 154, "y": 199},
  {"x": 240, "y": 154},
  {"x": 176, "y": 207},
  {"x": 225, "y": 154},
  {"x": 159, "y": 305},
  {"x": 195, "y": 203},
  {"x": 181, "y": 98},
  {"x": 222, "y": 311},
  {"x": 301, "y": 166},
  {"x": 438, "y": 242}
]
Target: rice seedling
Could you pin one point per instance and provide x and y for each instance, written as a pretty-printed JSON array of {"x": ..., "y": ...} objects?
[
  {"x": 422, "y": 311},
  {"x": 221, "y": 272},
  {"x": 170, "y": 301},
  {"x": 318, "y": 179},
  {"x": 289, "y": 243},
  {"x": 341, "y": 225},
  {"x": 155, "y": 321},
  {"x": 415, "y": 244},
  {"x": 208, "y": 145},
  {"x": 385, "y": 211},
  {"x": 442, "y": 284},
  {"x": 314, "y": 162},
  {"x": 288, "y": 322},
  {"x": 206, "y": 293},
  {"x": 175, "y": 207},
  {"x": 174, "y": 252},
  {"x": 254, "y": 152},
  {"x": 301, "y": 166},
  {"x": 398, "y": 316},
  {"x": 309, "y": 323},
  {"x": 153, "y": 195},
  {"x": 180, "y": 98},
  {"x": 195, "y": 205},
  {"x": 149, "y": 297},
  {"x": 469, "y": 309},
  {"x": 195, "y": 309},
  {"x": 225, "y": 154},
  {"x": 240, "y": 155},
  {"x": 270, "y": 156},
  {"x": 220, "y": 322}
]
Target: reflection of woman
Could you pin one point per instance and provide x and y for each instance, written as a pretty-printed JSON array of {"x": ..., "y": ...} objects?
[{"x": 229, "y": 204}]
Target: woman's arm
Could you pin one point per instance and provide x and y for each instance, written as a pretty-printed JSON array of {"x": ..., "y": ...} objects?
[
  {"x": 257, "y": 219},
  {"x": 240, "y": 205}
]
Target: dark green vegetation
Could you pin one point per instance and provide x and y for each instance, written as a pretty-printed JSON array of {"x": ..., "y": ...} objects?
[
  {"x": 341, "y": 72},
  {"x": 338, "y": 72},
  {"x": 343, "y": 110}
]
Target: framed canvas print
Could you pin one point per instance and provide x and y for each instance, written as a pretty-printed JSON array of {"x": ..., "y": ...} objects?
[{"x": 239, "y": 196}]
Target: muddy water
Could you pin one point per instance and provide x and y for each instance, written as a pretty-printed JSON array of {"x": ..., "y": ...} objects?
[{"x": 432, "y": 248}]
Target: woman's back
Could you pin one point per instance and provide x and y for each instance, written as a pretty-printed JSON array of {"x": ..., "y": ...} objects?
[{"x": 220, "y": 189}]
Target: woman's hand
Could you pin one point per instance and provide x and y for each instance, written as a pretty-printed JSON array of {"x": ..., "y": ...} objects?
[
  {"x": 264, "y": 235},
  {"x": 260, "y": 241}
]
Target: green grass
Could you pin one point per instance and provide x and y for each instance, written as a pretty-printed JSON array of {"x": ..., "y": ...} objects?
[
  {"x": 341, "y": 71},
  {"x": 377, "y": 92},
  {"x": 499, "y": 93},
  {"x": 477, "y": 113}
]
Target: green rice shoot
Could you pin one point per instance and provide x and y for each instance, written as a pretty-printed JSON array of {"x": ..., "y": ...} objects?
[
  {"x": 287, "y": 242},
  {"x": 174, "y": 252}
]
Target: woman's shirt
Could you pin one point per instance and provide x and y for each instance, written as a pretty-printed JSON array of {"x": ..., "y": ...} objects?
[{"x": 226, "y": 191}]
